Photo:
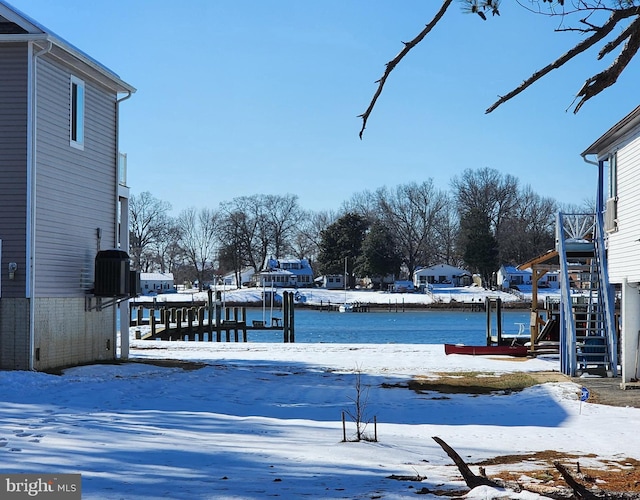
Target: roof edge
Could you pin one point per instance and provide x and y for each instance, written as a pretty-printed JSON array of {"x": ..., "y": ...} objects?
[
  {"x": 614, "y": 134},
  {"x": 39, "y": 33}
]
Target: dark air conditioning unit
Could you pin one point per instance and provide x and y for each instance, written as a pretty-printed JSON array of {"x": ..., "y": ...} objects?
[{"x": 112, "y": 274}]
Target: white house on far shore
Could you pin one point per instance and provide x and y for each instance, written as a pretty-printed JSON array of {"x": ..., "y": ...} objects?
[
  {"x": 285, "y": 273},
  {"x": 441, "y": 274},
  {"x": 156, "y": 282}
]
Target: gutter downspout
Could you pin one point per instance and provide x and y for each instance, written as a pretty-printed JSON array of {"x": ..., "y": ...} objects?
[
  {"x": 123, "y": 235},
  {"x": 599, "y": 194},
  {"x": 31, "y": 192}
]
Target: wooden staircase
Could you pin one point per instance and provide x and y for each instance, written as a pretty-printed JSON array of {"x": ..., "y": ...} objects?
[{"x": 588, "y": 338}]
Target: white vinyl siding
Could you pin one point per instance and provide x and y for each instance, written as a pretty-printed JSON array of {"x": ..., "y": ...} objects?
[
  {"x": 76, "y": 189},
  {"x": 624, "y": 245}
]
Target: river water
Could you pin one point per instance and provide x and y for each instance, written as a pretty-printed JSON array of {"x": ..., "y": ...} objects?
[{"x": 383, "y": 327}]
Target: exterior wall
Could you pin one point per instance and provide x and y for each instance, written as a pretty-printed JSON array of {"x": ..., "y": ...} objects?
[
  {"x": 14, "y": 338},
  {"x": 624, "y": 248},
  {"x": 333, "y": 282},
  {"x": 68, "y": 335},
  {"x": 13, "y": 166},
  {"x": 75, "y": 189},
  {"x": 630, "y": 309}
]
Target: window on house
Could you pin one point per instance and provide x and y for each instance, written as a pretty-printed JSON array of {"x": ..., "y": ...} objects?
[
  {"x": 76, "y": 135},
  {"x": 613, "y": 175},
  {"x": 611, "y": 209}
]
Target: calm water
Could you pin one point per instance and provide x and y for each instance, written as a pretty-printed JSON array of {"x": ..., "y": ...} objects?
[{"x": 411, "y": 327}]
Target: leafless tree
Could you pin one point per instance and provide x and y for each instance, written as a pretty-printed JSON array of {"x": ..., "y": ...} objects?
[
  {"x": 283, "y": 216},
  {"x": 489, "y": 192},
  {"x": 529, "y": 230},
  {"x": 306, "y": 237},
  {"x": 614, "y": 24},
  {"x": 412, "y": 212},
  {"x": 364, "y": 203},
  {"x": 198, "y": 239},
  {"x": 266, "y": 224},
  {"x": 148, "y": 223}
]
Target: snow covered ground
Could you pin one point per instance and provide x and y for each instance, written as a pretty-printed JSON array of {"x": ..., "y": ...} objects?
[
  {"x": 315, "y": 296},
  {"x": 264, "y": 420}
]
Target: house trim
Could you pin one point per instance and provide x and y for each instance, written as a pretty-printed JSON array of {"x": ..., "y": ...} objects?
[{"x": 618, "y": 135}]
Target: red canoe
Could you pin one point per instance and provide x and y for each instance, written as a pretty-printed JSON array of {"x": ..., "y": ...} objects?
[{"x": 486, "y": 350}]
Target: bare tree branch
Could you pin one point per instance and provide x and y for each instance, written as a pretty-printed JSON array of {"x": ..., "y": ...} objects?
[
  {"x": 602, "y": 32},
  {"x": 394, "y": 62},
  {"x": 596, "y": 84}
]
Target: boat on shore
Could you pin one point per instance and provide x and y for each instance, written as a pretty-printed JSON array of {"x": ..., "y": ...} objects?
[
  {"x": 487, "y": 350},
  {"x": 345, "y": 308}
]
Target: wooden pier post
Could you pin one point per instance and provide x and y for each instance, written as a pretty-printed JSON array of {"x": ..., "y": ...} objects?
[
  {"x": 218, "y": 317},
  {"x": 179, "y": 322},
  {"x": 152, "y": 321},
  {"x": 499, "y": 320},
  {"x": 244, "y": 324},
  {"x": 292, "y": 335},
  {"x": 489, "y": 310},
  {"x": 285, "y": 314},
  {"x": 227, "y": 318},
  {"x": 201, "y": 322},
  {"x": 167, "y": 319},
  {"x": 190, "y": 314},
  {"x": 210, "y": 313},
  {"x": 236, "y": 318}
]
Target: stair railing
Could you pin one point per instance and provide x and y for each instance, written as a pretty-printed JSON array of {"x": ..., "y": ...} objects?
[
  {"x": 607, "y": 295},
  {"x": 568, "y": 359}
]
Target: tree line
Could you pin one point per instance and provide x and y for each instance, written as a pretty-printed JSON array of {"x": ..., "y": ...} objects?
[{"x": 486, "y": 219}]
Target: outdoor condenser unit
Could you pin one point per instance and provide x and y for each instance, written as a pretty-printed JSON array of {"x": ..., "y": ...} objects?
[{"x": 112, "y": 274}]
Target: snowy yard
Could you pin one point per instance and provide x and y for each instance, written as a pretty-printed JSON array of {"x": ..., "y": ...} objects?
[{"x": 264, "y": 420}]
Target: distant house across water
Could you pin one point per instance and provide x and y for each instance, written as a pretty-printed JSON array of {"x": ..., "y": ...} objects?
[
  {"x": 151, "y": 283},
  {"x": 286, "y": 273},
  {"x": 331, "y": 281},
  {"x": 441, "y": 274}
]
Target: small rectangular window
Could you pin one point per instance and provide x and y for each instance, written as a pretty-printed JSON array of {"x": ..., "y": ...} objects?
[
  {"x": 613, "y": 175},
  {"x": 77, "y": 113}
]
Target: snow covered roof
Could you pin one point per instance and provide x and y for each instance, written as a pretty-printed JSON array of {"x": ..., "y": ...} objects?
[
  {"x": 443, "y": 269},
  {"x": 156, "y": 276}
]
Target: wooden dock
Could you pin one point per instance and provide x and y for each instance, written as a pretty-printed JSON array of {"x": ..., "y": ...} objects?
[{"x": 206, "y": 321}]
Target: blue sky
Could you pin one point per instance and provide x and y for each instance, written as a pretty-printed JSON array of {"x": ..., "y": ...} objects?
[{"x": 263, "y": 96}]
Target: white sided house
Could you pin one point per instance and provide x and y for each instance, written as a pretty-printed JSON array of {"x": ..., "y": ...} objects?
[
  {"x": 156, "y": 283},
  {"x": 510, "y": 277},
  {"x": 63, "y": 201},
  {"x": 441, "y": 274},
  {"x": 245, "y": 277},
  {"x": 286, "y": 273},
  {"x": 331, "y": 281},
  {"x": 617, "y": 156}
]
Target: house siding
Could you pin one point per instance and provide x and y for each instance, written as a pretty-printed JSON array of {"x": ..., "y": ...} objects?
[
  {"x": 624, "y": 247},
  {"x": 13, "y": 165},
  {"x": 14, "y": 337},
  {"x": 76, "y": 189},
  {"x": 68, "y": 335}
]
